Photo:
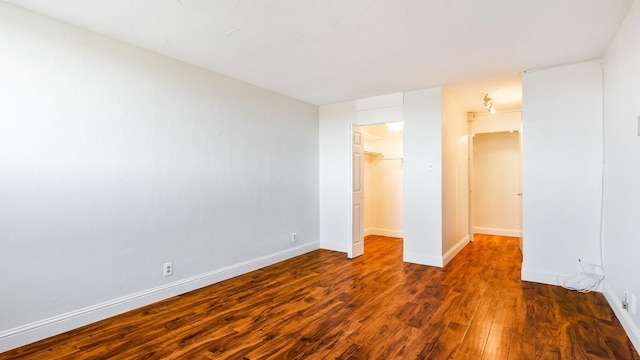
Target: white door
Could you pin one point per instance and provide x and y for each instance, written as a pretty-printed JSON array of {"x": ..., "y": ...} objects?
[{"x": 357, "y": 198}]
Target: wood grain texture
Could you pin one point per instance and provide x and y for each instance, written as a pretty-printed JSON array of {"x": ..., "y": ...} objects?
[{"x": 322, "y": 305}]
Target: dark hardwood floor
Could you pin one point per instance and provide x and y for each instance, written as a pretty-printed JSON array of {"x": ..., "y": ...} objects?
[{"x": 323, "y": 306}]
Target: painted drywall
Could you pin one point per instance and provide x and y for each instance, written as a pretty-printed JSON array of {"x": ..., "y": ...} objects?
[
  {"x": 622, "y": 170},
  {"x": 116, "y": 160},
  {"x": 422, "y": 210},
  {"x": 422, "y": 204},
  {"x": 455, "y": 177},
  {"x": 562, "y": 169},
  {"x": 496, "y": 183},
  {"x": 370, "y": 190},
  {"x": 335, "y": 174},
  {"x": 487, "y": 122},
  {"x": 383, "y": 182}
]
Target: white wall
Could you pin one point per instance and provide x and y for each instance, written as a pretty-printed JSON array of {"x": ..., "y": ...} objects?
[
  {"x": 496, "y": 183},
  {"x": 455, "y": 177},
  {"x": 562, "y": 168},
  {"x": 622, "y": 170},
  {"x": 115, "y": 160},
  {"x": 422, "y": 205},
  {"x": 335, "y": 174},
  {"x": 501, "y": 121}
]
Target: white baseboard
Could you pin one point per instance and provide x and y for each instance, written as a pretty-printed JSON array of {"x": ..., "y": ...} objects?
[
  {"x": 497, "y": 231},
  {"x": 368, "y": 231},
  {"x": 26, "y": 334},
  {"x": 451, "y": 253},
  {"x": 623, "y": 315},
  {"x": 539, "y": 276},
  {"x": 545, "y": 277},
  {"x": 334, "y": 246},
  {"x": 383, "y": 232},
  {"x": 423, "y": 259}
]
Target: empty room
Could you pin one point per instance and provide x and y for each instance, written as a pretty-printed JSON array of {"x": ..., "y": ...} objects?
[{"x": 286, "y": 179}]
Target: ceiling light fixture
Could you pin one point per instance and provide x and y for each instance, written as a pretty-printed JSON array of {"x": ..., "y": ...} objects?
[
  {"x": 488, "y": 103},
  {"x": 395, "y": 127}
]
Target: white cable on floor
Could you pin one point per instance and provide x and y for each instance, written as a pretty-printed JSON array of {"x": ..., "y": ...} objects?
[{"x": 587, "y": 280}]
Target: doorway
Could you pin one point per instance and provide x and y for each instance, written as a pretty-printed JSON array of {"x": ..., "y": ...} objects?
[
  {"x": 496, "y": 174},
  {"x": 497, "y": 183},
  {"x": 382, "y": 175}
]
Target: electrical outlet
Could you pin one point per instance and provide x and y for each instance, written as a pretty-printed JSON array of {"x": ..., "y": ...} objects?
[
  {"x": 625, "y": 301},
  {"x": 168, "y": 269},
  {"x": 294, "y": 237}
]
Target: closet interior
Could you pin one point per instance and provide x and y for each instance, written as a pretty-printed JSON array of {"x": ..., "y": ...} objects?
[{"x": 383, "y": 179}]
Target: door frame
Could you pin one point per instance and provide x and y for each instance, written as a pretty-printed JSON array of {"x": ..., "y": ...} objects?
[
  {"x": 371, "y": 111},
  {"x": 501, "y": 126}
]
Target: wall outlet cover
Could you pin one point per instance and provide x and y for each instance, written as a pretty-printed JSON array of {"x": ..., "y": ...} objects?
[{"x": 167, "y": 269}]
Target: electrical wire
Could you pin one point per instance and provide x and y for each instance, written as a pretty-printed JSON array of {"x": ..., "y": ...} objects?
[
  {"x": 585, "y": 281},
  {"x": 604, "y": 152},
  {"x": 591, "y": 276}
]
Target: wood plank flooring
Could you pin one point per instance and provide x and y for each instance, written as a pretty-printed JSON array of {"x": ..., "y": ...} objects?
[{"x": 323, "y": 306}]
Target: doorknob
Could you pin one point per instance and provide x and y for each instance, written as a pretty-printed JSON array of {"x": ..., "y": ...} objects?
[{"x": 519, "y": 194}]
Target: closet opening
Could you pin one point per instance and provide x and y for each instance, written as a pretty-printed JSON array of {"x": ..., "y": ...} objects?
[{"x": 382, "y": 185}]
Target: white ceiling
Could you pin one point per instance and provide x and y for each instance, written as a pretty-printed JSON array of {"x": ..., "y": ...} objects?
[{"x": 328, "y": 51}]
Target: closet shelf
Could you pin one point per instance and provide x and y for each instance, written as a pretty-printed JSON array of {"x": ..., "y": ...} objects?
[{"x": 374, "y": 154}]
